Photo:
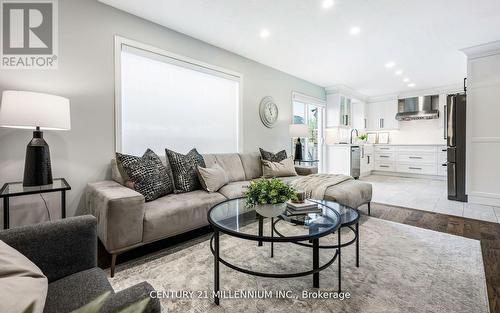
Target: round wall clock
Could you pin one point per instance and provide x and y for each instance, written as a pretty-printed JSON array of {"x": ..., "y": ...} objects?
[{"x": 268, "y": 112}]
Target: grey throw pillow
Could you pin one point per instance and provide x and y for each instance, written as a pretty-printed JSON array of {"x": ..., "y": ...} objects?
[
  {"x": 212, "y": 178},
  {"x": 185, "y": 169},
  {"x": 148, "y": 175},
  {"x": 279, "y": 169},
  {"x": 273, "y": 157}
]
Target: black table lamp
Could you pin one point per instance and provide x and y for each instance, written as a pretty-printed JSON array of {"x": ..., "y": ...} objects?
[
  {"x": 298, "y": 131},
  {"x": 38, "y": 111}
]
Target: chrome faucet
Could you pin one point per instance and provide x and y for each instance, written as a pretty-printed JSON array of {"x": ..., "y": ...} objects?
[{"x": 357, "y": 134}]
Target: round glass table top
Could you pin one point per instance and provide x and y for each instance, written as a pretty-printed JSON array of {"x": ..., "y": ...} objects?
[
  {"x": 235, "y": 218},
  {"x": 347, "y": 214}
]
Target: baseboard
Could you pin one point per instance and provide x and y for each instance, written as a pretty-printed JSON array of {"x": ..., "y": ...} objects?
[
  {"x": 408, "y": 175},
  {"x": 484, "y": 198}
]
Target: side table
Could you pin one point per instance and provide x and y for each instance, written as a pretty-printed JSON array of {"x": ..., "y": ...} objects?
[{"x": 17, "y": 189}]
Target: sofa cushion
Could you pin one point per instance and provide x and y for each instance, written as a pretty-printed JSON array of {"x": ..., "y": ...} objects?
[
  {"x": 278, "y": 169},
  {"x": 184, "y": 169},
  {"x": 273, "y": 157},
  {"x": 212, "y": 178},
  {"x": 251, "y": 165},
  {"x": 178, "y": 213},
  {"x": 230, "y": 162},
  {"x": 351, "y": 193},
  {"x": 148, "y": 174},
  {"x": 21, "y": 282},
  {"x": 74, "y": 291},
  {"x": 235, "y": 189}
]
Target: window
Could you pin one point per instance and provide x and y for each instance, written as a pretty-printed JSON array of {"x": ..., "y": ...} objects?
[
  {"x": 168, "y": 101},
  {"x": 310, "y": 111}
]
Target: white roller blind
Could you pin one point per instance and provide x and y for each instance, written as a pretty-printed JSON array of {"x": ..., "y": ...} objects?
[{"x": 171, "y": 103}]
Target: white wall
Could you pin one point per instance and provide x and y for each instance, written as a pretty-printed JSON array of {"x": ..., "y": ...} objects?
[
  {"x": 483, "y": 124},
  {"x": 86, "y": 76}
]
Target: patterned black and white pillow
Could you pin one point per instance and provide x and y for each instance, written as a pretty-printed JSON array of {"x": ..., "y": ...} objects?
[
  {"x": 273, "y": 157},
  {"x": 185, "y": 170},
  {"x": 148, "y": 174}
]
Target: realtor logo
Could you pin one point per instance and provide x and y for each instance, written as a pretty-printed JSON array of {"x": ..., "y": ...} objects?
[{"x": 29, "y": 34}]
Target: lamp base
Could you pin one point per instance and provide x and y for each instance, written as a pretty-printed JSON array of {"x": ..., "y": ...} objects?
[
  {"x": 37, "y": 167},
  {"x": 298, "y": 150}
]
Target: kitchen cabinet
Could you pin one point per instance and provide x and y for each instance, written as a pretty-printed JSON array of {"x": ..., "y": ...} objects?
[
  {"x": 382, "y": 115},
  {"x": 411, "y": 159},
  {"x": 338, "y": 159},
  {"x": 366, "y": 160},
  {"x": 342, "y": 111},
  {"x": 358, "y": 115}
]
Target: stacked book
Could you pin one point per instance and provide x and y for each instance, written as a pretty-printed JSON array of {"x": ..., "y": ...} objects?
[{"x": 305, "y": 207}]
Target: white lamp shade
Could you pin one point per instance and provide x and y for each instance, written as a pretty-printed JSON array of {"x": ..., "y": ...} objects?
[
  {"x": 298, "y": 130},
  {"x": 25, "y": 109}
]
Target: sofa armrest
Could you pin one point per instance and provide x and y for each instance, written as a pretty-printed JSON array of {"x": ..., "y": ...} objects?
[
  {"x": 133, "y": 294},
  {"x": 120, "y": 214},
  {"x": 304, "y": 170},
  {"x": 58, "y": 248}
]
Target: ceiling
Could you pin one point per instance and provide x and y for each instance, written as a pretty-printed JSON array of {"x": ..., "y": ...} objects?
[{"x": 422, "y": 37}]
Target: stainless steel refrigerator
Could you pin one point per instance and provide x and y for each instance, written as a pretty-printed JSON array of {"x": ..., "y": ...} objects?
[{"x": 455, "y": 137}]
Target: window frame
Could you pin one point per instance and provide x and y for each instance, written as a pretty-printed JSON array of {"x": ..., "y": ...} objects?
[{"x": 175, "y": 59}]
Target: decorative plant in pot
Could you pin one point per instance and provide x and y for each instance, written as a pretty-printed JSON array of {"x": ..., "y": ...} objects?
[
  {"x": 363, "y": 137},
  {"x": 269, "y": 194}
]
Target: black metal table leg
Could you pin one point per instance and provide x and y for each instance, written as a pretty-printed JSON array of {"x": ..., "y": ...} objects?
[
  {"x": 316, "y": 262},
  {"x": 340, "y": 263},
  {"x": 261, "y": 228},
  {"x": 63, "y": 204},
  {"x": 272, "y": 233},
  {"x": 216, "y": 267},
  {"x": 357, "y": 244},
  {"x": 6, "y": 217}
]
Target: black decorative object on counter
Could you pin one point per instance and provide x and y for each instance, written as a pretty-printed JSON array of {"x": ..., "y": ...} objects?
[{"x": 37, "y": 167}]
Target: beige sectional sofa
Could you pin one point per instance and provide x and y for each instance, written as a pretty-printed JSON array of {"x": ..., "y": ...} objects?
[{"x": 126, "y": 221}]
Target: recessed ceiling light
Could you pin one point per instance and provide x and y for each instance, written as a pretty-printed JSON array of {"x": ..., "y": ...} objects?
[
  {"x": 390, "y": 64},
  {"x": 406, "y": 80},
  {"x": 354, "y": 30},
  {"x": 326, "y": 4},
  {"x": 264, "y": 33},
  {"x": 398, "y": 72},
  {"x": 411, "y": 85}
]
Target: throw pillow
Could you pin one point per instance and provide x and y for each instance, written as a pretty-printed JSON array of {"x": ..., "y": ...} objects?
[
  {"x": 148, "y": 175},
  {"x": 278, "y": 169},
  {"x": 21, "y": 282},
  {"x": 212, "y": 178},
  {"x": 184, "y": 169},
  {"x": 273, "y": 157}
]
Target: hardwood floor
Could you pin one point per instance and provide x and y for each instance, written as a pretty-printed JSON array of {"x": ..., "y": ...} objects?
[{"x": 488, "y": 233}]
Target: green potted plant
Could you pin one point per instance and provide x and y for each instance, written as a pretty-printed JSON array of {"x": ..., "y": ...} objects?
[
  {"x": 363, "y": 137},
  {"x": 269, "y": 194}
]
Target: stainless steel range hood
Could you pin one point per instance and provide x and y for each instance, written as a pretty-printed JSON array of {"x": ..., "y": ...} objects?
[{"x": 418, "y": 108}]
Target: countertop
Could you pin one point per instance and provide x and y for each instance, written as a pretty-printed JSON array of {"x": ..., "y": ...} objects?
[{"x": 387, "y": 144}]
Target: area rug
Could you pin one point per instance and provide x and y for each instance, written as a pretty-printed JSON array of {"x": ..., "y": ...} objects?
[{"x": 402, "y": 269}]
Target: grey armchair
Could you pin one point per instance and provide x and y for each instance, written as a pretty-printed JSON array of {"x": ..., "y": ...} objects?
[{"x": 66, "y": 252}]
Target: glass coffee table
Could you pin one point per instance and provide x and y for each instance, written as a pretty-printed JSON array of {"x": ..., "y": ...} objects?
[
  {"x": 349, "y": 220},
  {"x": 232, "y": 217}
]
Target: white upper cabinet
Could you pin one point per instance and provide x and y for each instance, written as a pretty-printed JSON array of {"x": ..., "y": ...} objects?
[
  {"x": 342, "y": 111},
  {"x": 382, "y": 115},
  {"x": 358, "y": 114}
]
